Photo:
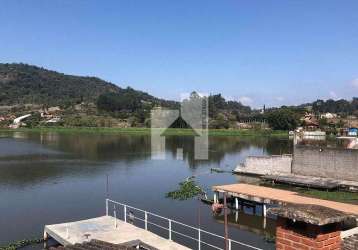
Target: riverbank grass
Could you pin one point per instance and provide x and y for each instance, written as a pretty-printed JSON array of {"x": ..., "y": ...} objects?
[
  {"x": 336, "y": 195},
  {"x": 147, "y": 131}
]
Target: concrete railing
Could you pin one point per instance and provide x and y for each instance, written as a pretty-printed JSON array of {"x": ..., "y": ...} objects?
[{"x": 171, "y": 227}]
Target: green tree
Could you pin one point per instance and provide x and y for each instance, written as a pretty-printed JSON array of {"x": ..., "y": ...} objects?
[
  {"x": 282, "y": 119},
  {"x": 33, "y": 120}
]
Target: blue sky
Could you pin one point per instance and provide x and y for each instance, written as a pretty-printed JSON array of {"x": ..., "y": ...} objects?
[{"x": 259, "y": 52}]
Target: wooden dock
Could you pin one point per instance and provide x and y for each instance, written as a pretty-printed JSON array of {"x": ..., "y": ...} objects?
[
  {"x": 108, "y": 229},
  {"x": 266, "y": 196}
]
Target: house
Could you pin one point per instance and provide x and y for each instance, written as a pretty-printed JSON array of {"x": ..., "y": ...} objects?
[
  {"x": 353, "y": 132},
  {"x": 310, "y": 122},
  {"x": 329, "y": 115},
  {"x": 53, "y": 109},
  {"x": 54, "y": 119}
]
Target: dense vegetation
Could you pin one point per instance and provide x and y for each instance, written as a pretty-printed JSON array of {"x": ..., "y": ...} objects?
[
  {"x": 92, "y": 102},
  {"x": 131, "y": 103},
  {"x": 26, "y": 84},
  {"x": 22, "y": 85},
  {"x": 283, "y": 119},
  {"x": 342, "y": 107}
]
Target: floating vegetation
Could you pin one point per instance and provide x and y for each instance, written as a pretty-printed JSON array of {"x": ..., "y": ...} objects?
[
  {"x": 21, "y": 243},
  {"x": 188, "y": 189}
]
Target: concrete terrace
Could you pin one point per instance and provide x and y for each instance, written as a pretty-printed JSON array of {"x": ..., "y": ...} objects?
[
  {"x": 267, "y": 195},
  {"x": 103, "y": 228}
]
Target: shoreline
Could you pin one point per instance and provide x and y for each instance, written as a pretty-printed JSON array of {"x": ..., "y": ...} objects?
[{"x": 147, "y": 131}]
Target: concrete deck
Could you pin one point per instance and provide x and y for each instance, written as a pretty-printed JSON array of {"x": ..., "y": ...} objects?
[
  {"x": 102, "y": 228},
  {"x": 267, "y": 195}
]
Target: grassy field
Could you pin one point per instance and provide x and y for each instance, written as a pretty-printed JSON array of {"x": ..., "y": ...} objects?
[
  {"x": 339, "y": 196},
  {"x": 147, "y": 131}
]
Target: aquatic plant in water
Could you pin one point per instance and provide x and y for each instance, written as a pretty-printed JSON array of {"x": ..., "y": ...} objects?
[
  {"x": 188, "y": 189},
  {"x": 21, "y": 243}
]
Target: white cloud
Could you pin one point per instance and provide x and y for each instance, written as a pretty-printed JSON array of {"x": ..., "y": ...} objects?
[
  {"x": 229, "y": 98},
  {"x": 246, "y": 100},
  {"x": 333, "y": 94},
  {"x": 279, "y": 98},
  {"x": 354, "y": 83}
]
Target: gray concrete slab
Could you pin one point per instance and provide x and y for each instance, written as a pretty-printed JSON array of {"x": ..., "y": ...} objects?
[{"x": 103, "y": 228}]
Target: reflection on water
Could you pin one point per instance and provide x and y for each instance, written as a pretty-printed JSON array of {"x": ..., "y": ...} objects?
[
  {"x": 250, "y": 222},
  {"x": 48, "y": 178}
]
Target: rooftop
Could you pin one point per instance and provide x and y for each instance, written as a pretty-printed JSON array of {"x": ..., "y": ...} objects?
[
  {"x": 282, "y": 197},
  {"x": 312, "y": 214}
]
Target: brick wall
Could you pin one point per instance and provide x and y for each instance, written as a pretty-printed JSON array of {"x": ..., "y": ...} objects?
[
  {"x": 306, "y": 236},
  {"x": 329, "y": 162}
]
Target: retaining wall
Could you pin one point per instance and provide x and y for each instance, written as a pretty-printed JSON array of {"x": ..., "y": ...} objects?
[
  {"x": 262, "y": 165},
  {"x": 326, "y": 162}
]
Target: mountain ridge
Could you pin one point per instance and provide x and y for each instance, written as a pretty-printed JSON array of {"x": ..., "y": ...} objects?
[{"x": 22, "y": 83}]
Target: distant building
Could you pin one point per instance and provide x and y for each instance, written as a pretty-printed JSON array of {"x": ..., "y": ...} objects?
[
  {"x": 353, "y": 132},
  {"x": 263, "y": 110},
  {"x": 54, "y": 120},
  {"x": 18, "y": 121},
  {"x": 329, "y": 115},
  {"x": 310, "y": 122},
  {"x": 54, "y": 109}
]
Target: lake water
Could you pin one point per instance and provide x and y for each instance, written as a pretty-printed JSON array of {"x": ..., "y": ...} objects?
[{"x": 48, "y": 178}]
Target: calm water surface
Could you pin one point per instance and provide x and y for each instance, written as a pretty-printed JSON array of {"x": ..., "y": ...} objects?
[{"x": 53, "y": 178}]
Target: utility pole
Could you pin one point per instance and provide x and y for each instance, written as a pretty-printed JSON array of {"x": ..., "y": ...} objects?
[
  {"x": 107, "y": 188},
  {"x": 225, "y": 223},
  {"x": 199, "y": 212}
]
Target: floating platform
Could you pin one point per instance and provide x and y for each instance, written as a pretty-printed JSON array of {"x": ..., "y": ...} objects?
[
  {"x": 107, "y": 229},
  {"x": 265, "y": 195}
]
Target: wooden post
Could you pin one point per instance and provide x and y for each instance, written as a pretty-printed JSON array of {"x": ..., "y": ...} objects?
[
  {"x": 107, "y": 190},
  {"x": 225, "y": 223}
]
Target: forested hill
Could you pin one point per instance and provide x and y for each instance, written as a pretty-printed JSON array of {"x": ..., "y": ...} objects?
[{"x": 27, "y": 84}]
